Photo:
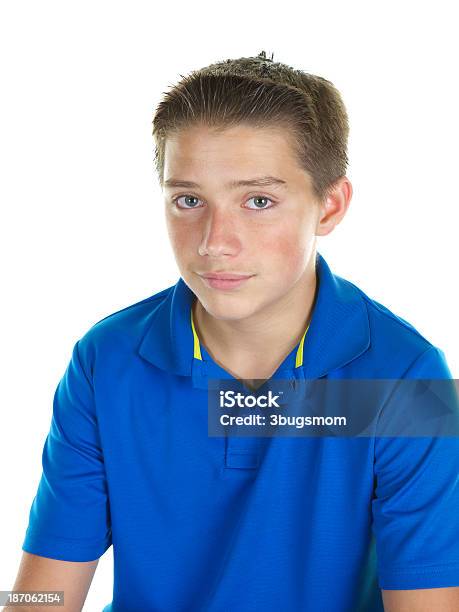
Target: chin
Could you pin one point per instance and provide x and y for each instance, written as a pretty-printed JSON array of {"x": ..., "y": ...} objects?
[{"x": 227, "y": 306}]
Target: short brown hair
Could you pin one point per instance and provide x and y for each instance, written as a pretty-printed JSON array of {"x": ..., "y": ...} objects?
[{"x": 262, "y": 93}]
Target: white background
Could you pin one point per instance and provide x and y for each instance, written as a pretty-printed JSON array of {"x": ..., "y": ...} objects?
[{"x": 82, "y": 230}]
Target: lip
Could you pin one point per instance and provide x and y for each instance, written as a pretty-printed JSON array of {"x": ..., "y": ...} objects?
[
  {"x": 226, "y": 275},
  {"x": 225, "y": 280}
]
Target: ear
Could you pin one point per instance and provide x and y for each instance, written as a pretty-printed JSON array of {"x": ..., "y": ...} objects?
[{"x": 334, "y": 206}]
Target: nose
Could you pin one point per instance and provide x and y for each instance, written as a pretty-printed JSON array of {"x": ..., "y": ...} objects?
[{"x": 220, "y": 235}]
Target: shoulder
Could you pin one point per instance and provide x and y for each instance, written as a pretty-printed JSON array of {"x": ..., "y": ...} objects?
[
  {"x": 121, "y": 330},
  {"x": 396, "y": 346}
]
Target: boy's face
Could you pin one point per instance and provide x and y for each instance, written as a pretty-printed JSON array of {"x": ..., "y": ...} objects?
[{"x": 217, "y": 228}]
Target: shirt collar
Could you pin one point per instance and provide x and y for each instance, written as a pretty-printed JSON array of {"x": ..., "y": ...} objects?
[{"x": 339, "y": 329}]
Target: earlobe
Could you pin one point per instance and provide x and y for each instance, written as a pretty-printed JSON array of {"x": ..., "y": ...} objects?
[
  {"x": 329, "y": 217},
  {"x": 325, "y": 229},
  {"x": 335, "y": 206}
]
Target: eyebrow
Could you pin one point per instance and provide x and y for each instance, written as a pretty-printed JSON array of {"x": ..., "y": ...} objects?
[{"x": 263, "y": 181}]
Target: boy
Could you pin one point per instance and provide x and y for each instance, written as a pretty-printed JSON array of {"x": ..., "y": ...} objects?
[{"x": 251, "y": 157}]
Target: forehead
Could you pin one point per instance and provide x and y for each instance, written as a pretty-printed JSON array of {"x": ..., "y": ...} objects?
[{"x": 231, "y": 153}]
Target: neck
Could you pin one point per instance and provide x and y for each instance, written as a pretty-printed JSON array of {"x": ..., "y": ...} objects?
[{"x": 266, "y": 337}]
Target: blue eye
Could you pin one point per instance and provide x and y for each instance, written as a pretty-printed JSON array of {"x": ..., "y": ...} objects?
[
  {"x": 191, "y": 205},
  {"x": 259, "y": 208},
  {"x": 175, "y": 200}
]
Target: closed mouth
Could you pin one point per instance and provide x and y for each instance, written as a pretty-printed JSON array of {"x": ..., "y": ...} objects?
[{"x": 228, "y": 277}]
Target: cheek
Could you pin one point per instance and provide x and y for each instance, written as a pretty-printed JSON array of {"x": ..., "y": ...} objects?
[
  {"x": 285, "y": 251},
  {"x": 179, "y": 236}
]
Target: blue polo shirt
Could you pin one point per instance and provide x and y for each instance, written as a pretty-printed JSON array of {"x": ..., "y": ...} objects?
[{"x": 221, "y": 523}]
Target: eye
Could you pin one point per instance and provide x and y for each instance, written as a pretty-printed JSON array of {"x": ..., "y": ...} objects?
[
  {"x": 188, "y": 197},
  {"x": 191, "y": 202},
  {"x": 259, "y": 206}
]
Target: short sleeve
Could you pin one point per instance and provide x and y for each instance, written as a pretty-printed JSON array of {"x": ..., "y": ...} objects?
[
  {"x": 70, "y": 516},
  {"x": 416, "y": 500}
]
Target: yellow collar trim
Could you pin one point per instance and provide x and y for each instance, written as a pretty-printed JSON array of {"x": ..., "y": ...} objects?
[
  {"x": 299, "y": 353},
  {"x": 197, "y": 345}
]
